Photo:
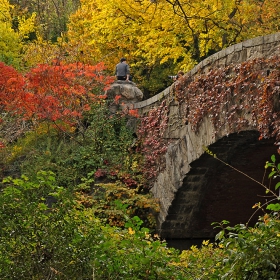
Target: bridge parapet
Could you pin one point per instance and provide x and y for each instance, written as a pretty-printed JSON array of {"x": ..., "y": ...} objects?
[{"x": 263, "y": 46}]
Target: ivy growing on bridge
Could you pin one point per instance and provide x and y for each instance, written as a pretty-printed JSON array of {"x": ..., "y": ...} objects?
[
  {"x": 153, "y": 145},
  {"x": 235, "y": 96}
]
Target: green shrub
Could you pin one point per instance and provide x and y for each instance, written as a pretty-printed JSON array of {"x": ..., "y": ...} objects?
[
  {"x": 46, "y": 234},
  {"x": 253, "y": 253}
]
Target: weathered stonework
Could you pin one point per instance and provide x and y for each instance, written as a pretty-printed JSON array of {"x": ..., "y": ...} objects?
[
  {"x": 128, "y": 92},
  {"x": 187, "y": 146}
]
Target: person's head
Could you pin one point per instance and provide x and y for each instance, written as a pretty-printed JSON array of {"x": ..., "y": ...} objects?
[{"x": 123, "y": 59}]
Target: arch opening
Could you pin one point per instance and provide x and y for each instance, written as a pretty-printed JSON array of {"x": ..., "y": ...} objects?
[{"x": 212, "y": 191}]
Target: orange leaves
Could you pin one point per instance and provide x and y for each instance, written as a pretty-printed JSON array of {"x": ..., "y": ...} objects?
[
  {"x": 86, "y": 107},
  {"x": 117, "y": 98},
  {"x": 11, "y": 87},
  {"x": 133, "y": 113},
  {"x": 9, "y": 78},
  {"x": 52, "y": 92},
  {"x": 104, "y": 96}
]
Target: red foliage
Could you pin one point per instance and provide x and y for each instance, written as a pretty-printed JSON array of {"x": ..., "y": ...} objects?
[
  {"x": 113, "y": 173},
  {"x": 234, "y": 96},
  {"x": 129, "y": 182},
  {"x": 153, "y": 144},
  {"x": 11, "y": 88},
  {"x": 133, "y": 113},
  {"x": 117, "y": 97},
  {"x": 52, "y": 92},
  {"x": 7, "y": 73},
  {"x": 100, "y": 173},
  {"x": 64, "y": 91}
]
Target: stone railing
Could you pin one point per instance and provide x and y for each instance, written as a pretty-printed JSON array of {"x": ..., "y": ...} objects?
[{"x": 263, "y": 46}]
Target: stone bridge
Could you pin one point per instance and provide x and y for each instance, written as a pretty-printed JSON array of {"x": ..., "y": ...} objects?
[{"x": 195, "y": 189}]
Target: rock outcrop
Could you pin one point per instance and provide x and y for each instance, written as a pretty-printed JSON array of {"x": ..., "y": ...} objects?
[{"x": 128, "y": 94}]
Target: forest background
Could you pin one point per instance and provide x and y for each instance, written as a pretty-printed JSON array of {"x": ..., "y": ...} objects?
[
  {"x": 75, "y": 200},
  {"x": 157, "y": 37}
]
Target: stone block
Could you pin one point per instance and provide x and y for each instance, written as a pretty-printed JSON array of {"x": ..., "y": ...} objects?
[
  {"x": 253, "y": 42},
  {"x": 238, "y": 47},
  {"x": 193, "y": 71},
  {"x": 221, "y": 54},
  {"x": 234, "y": 58},
  {"x": 269, "y": 38},
  {"x": 271, "y": 49},
  {"x": 254, "y": 52},
  {"x": 229, "y": 50},
  {"x": 276, "y": 37},
  {"x": 179, "y": 226},
  {"x": 186, "y": 209}
]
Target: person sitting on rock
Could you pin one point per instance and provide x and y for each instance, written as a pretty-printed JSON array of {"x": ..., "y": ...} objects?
[{"x": 122, "y": 70}]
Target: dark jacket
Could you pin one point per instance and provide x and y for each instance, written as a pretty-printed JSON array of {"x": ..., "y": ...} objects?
[{"x": 122, "y": 69}]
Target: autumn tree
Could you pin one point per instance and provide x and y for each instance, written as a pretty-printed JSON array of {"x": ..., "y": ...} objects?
[
  {"x": 217, "y": 24},
  {"x": 174, "y": 34},
  {"x": 51, "y": 15},
  {"x": 112, "y": 29},
  {"x": 11, "y": 87},
  {"x": 63, "y": 109},
  {"x": 33, "y": 30},
  {"x": 58, "y": 94},
  {"x": 13, "y": 36}
]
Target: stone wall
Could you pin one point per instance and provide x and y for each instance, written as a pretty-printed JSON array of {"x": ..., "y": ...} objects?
[
  {"x": 188, "y": 145},
  {"x": 263, "y": 46}
]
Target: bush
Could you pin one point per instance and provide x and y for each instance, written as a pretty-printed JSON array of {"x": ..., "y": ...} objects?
[{"x": 46, "y": 234}]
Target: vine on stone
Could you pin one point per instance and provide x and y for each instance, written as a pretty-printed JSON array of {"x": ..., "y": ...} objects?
[
  {"x": 235, "y": 96},
  {"x": 153, "y": 145}
]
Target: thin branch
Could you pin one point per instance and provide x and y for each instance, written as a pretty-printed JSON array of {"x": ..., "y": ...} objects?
[{"x": 259, "y": 209}]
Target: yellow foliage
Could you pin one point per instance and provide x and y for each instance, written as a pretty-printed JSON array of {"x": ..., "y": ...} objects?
[
  {"x": 152, "y": 32},
  {"x": 11, "y": 40},
  {"x": 26, "y": 25},
  {"x": 131, "y": 231},
  {"x": 41, "y": 51},
  {"x": 108, "y": 30},
  {"x": 5, "y": 10}
]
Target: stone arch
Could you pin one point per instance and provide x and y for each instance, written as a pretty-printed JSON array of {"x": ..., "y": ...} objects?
[
  {"x": 186, "y": 149},
  {"x": 212, "y": 191}
]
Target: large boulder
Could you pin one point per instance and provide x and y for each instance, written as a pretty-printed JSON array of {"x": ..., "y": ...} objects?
[{"x": 125, "y": 94}]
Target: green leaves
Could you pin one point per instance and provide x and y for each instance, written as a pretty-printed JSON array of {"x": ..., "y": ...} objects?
[
  {"x": 275, "y": 171},
  {"x": 251, "y": 252},
  {"x": 273, "y": 207},
  {"x": 66, "y": 240},
  {"x": 277, "y": 185}
]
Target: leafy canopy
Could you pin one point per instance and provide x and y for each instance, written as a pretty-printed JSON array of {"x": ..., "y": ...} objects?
[
  {"x": 157, "y": 31},
  {"x": 13, "y": 39}
]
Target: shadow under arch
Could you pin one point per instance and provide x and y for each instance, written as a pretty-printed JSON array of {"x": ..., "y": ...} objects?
[{"x": 212, "y": 191}]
